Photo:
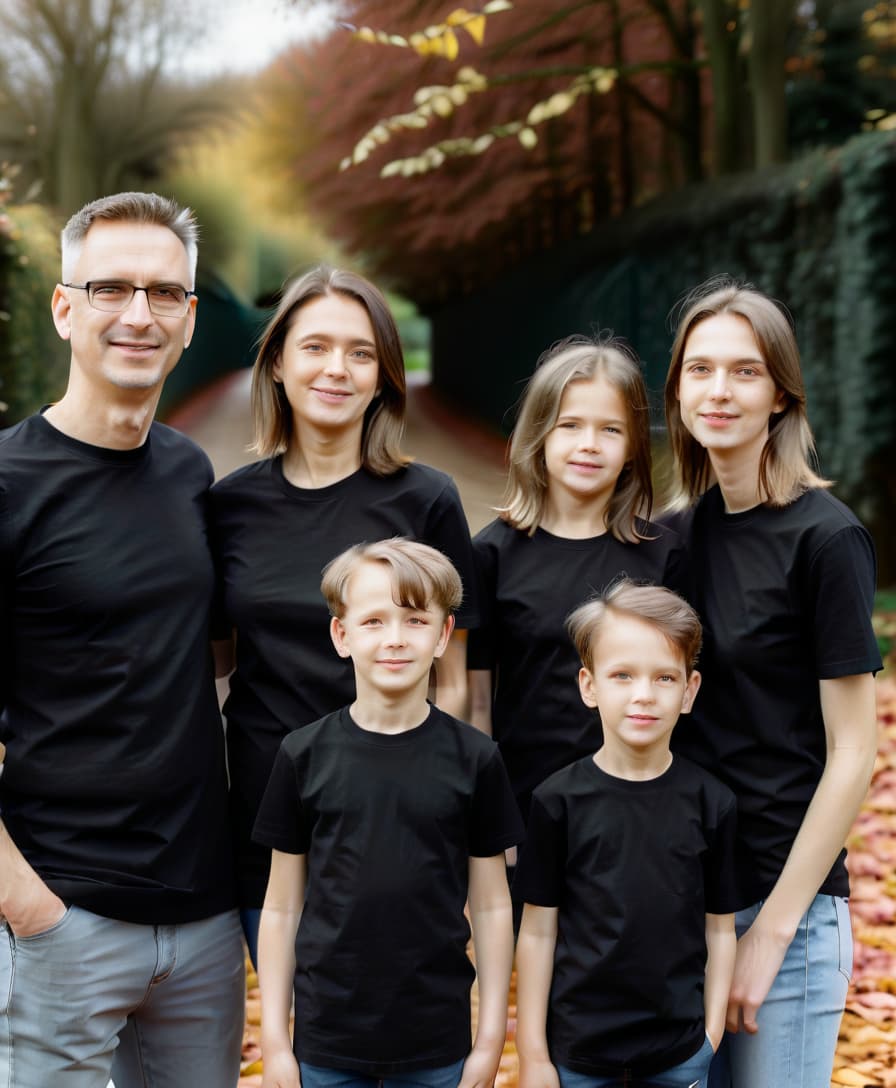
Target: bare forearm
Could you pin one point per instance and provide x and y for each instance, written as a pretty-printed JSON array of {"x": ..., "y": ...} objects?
[
  {"x": 276, "y": 971},
  {"x": 535, "y": 968},
  {"x": 493, "y": 941},
  {"x": 721, "y": 951}
]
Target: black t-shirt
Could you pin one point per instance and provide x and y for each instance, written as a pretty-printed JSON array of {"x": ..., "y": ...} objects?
[
  {"x": 785, "y": 595},
  {"x": 528, "y": 587},
  {"x": 114, "y": 787},
  {"x": 633, "y": 868},
  {"x": 388, "y": 823},
  {"x": 273, "y": 541}
]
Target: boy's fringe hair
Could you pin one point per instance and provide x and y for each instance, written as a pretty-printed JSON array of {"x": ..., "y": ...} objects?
[
  {"x": 573, "y": 359},
  {"x": 384, "y": 420},
  {"x": 662, "y": 609},
  {"x": 421, "y": 575},
  {"x": 788, "y": 461}
]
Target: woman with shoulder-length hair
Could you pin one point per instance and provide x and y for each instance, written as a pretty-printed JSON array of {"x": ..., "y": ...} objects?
[
  {"x": 328, "y": 397},
  {"x": 783, "y": 576}
]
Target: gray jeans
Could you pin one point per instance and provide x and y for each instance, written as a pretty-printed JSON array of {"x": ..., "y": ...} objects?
[{"x": 150, "y": 1006}]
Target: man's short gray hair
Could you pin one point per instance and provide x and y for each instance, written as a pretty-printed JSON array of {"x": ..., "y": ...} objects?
[{"x": 130, "y": 208}]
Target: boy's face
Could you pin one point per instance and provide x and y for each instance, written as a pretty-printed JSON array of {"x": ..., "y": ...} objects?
[
  {"x": 639, "y": 683},
  {"x": 392, "y": 648}
]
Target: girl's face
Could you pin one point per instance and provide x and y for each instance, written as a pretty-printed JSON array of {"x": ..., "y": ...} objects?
[
  {"x": 328, "y": 365},
  {"x": 588, "y": 446},
  {"x": 726, "y": 394}
]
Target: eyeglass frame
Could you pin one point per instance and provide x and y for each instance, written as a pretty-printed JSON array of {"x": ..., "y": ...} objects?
[{"x": 90, "y": 284}]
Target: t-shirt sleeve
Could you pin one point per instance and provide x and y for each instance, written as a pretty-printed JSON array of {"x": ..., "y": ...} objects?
[
  {"x": 719, "y": 869},
  {"x": 542, "y": 862},
  {"x": 495, "y": 821},
  {"x": 282, "y": 821},
  {"x": 481, "y": 640},
  {"x": 221, "y": 627},
  {"x": 447, "y": 530},
  {"x": 842, "y": 576}
]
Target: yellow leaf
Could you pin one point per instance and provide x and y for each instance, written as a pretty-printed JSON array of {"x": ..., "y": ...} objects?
[
  {"x": 496, "y": 6},
  {"x": 396, "y": 39},
  {"x": 528, "y": 138},
  {"x": 252, "y": 1069},
  {"x": 346, "y": 163},
  {"x": 419, "y": 42},
  {"x": 391, "y": 169},
  {"x": 452, "y": 48},
  {"x": 559, "y": 103},
  {"x": 365, "y": 34},
  {"x": 443, "y": 105},
  {"x": 456, "y": 17},
  {"x": 605, "y": 82},
  {"x": 475, "y": 27}
]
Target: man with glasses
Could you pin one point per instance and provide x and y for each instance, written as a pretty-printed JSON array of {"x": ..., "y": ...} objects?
[{"x": 120, "y": 949}]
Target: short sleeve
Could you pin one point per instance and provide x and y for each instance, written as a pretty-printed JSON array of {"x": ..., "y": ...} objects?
[
  {"x": 540, "y": 870},
  {"x": 281, "y": 822},
  {"x": 481, "y": 640},
  {"x": 447, "y": 530},
  {"x": 842, "y": 576},
  {"x": 495, "y": 821},
  {"x": 719, "y": 869}
]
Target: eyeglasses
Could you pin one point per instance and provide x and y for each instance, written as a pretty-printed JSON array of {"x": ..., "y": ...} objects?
[{"x": 113, "y": 296}]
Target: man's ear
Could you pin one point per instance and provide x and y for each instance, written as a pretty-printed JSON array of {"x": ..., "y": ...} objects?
[
  {"x": 445, "y": 637},
  {"x": 62, "y": 312},
  {"x": 690, "y": 691},
  {"x": 191, "y": 321},
  {"x": 586, "y": 687},
  {"x": 337, "y": 634}
]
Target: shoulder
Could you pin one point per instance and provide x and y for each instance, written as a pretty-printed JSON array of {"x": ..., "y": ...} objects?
[
  {"x": 295, "y": 744},
  {"x": 692, "y": 777},
  {"x": 497, "y": 535},
  {"x": 558, "y": 787},
  {"x": 467, "y": 736},
  {"x": 423, "y": 483},
  {"x": 176, "y": 448},
  {"x": 662, "y": 536},
  {"x": 246, "y": 476}
]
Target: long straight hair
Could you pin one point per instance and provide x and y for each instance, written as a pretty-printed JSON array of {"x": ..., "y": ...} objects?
[
  {"x": 579, "y": 358},
  {"x": 383, "y": 425},
  {"x": 788, "y": 456}
]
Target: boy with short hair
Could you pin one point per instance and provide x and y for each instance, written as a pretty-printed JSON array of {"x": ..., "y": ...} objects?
[
  {"x": 627, "y": 944},
  {"x": 383, "y": 816}
]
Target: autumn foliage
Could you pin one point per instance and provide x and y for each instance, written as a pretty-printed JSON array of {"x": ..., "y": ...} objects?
[{"x": 538, "y": 180}]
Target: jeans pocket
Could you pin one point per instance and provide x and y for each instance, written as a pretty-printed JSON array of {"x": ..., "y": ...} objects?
[
  {"x": 844, "y": 933},
  {"x": 44, "y": 934}
]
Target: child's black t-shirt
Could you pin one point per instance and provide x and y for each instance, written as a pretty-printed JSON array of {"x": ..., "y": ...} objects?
[
  {"x": 388, "y": 823},
  {"x": 528, "y": 587},
  {"x": 633, "y": 868},
  {"x": 785, "y": 595},
  {"x": 273, "y": 541}
]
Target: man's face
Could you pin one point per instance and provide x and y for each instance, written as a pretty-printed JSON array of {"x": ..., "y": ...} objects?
[{"x": 135, "y": 348}]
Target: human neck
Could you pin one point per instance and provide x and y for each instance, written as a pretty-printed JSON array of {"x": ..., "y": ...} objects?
[
  {"x": 738, "y": 480},
  {"x": 566, "y": 516},
  {"x": 112, "y": 422},
  {"x": 636, "y": 765},
  {"x": 319, "y": 460},
  {"x": 378, "y": 713}
]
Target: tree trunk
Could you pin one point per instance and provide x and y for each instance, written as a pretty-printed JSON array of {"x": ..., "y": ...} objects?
[
  {"x": 769, "y": 22},
  {"x": 721, "y": 48}
]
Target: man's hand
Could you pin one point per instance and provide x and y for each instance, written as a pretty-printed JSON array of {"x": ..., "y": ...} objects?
[
  {"x": 35, "y": 910},
  {"x": 538, "y": 1074},
  {"x": 759, "y": 957},
  {"x": 480, "y": 1068},
  {"x": 281, "y": 1070}
]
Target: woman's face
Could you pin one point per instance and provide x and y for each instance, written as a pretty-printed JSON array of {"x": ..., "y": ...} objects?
[
  {"x": 328, "y": 366},
  {"x": 725, "y": 392}
]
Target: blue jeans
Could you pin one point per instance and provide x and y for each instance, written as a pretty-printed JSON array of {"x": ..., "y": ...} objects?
[
  {"x": 91, "y": 998},
  {"x": 314, "y": 1076},
  {"x": 250, "y": 918},
  {"x": 689, "y": 1074},
  {"x": 800, "y": 1018}
]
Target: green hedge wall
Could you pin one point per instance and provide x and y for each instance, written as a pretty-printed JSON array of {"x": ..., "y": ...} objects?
[
  {"x": 33, "y": 360},
  {"x": 819, "y": 234}
]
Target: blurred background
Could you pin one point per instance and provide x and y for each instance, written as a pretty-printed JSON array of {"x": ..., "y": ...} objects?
[{"x": 511, "y": 172}]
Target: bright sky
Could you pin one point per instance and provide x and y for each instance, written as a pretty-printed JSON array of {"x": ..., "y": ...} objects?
[{"x": 243, "y": 35}]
